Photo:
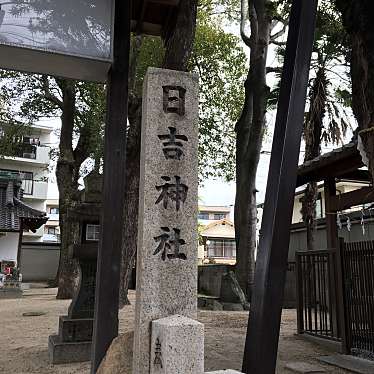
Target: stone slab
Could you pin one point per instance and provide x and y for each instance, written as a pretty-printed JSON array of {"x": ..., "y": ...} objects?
[
  {"x": 304, "y": 368},
  {"x": 177, "y": 346},
  {"x": 234, "y": 307},
  {"x": 354, "y": 364},
  {"x": 228, "y": 371},
  {"x": 10, "y": 293},
  {"x": 75, "y": 330},
  {"x": 63, "y": 353},
  {"x": 167, "y": 237},
  {"x": 206, "y": 303}
]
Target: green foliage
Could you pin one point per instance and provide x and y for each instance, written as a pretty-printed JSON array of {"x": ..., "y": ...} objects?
[
  {"x": 218, "y": 60},
  {"x": 330, "y": 53},
  {"x": 221, "y": 65},
  {"x": 28, "y": 102}
]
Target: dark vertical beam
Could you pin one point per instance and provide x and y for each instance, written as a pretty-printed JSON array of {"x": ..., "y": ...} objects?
[
  {"x": 299, "y": 294},
  {"x": 261, "y": 347},
  {"x": 343, "y": 321},
  {"x": 331, "y": 226},
  {"x": 19, "y": 249},
  {"x": 109, "y": 252},
  {"x": 332, "y": 243}
]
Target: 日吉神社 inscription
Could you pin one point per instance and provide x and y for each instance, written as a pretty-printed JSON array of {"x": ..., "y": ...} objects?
[{"x": 167, "y": 238}]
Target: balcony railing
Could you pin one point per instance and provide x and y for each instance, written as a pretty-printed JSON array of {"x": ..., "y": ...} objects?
[{"x": 26, "y": 151}]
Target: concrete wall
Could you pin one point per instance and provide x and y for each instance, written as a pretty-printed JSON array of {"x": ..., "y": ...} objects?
[
  {"x": 39, "y": 262},
  {"x": 209, "y": 278},
  {"x": 298, "y": 234},
  {"x": 209, "y": 282},
  {"x": 9, "y": 246}
]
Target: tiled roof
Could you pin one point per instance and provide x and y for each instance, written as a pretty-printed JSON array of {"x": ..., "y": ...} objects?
[
  {"x": 336, "y": 163},
  {"x": 337, "y": 153},
  {"x": 12, "y": 209}
]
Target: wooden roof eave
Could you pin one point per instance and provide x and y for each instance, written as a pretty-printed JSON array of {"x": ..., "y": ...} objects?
[{"x": 342, "y": 163}]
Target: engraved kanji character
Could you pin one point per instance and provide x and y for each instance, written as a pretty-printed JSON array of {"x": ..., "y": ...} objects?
[
  {"x": 172, "y": 148},
  {"x": 168, "y": 241},
  {"x": 172, "y": 191}
]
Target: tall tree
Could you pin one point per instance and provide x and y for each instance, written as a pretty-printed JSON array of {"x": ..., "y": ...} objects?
[
  {"x": 325, "y": 120},
  {"x": 80, "y": 106},
  {"x": 358, "y": 18},
  {"x": 216, "y": 57},
  {"x": 263, "y": 17},
  {"x": 220, "y": 63},
  {"x": 178, "y": 45}
]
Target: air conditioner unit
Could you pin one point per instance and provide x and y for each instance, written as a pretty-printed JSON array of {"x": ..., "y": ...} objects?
[{"x": 29, "y": 155}]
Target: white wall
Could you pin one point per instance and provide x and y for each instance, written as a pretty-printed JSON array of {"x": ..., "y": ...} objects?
[{"x": 9, "y": 246}]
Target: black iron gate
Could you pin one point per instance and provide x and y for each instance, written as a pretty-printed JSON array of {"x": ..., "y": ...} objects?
[
  {"x": 317, "y": 311},
  {"x": 357, "y": 261}
]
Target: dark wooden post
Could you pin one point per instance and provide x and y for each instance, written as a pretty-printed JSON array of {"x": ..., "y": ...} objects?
[
  {"x": 299, "y": 294},
  {"x": 261, "y": 347},
  {"x": 109, "y": 252},
  {"x": 332, "y": 243},
  {"x": 331, "y": 226},
  {"x": 19, "y": 248},
  {"x": 343, "y": 322}
]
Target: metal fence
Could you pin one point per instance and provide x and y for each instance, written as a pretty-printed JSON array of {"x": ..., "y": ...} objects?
[
  {"x": 316, "y": 297},
  {"x": 357, "y": 261}
]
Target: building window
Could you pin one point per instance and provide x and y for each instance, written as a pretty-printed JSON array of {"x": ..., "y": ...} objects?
[
  {"x": 221, "y": 248},
  {"x": 92, "y": 232},
  {"x": 51, "y": 230},
  {"x": 204, "y": 215},
  {"x": 27, "y": 180},
  {"x": 319, "y": 207},
  {"x": 54, "y": 210},
  {"x": 219, "y": 216}
]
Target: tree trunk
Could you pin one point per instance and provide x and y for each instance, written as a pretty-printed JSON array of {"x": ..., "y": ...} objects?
[
  {"x": 249, "y": 135},
  {"x": 178, "y": 44},
  {"x": 67, "y": 181},
  {"x": 131, "y": 203},
  {"x": 358, "y": 18},
  {"x": 312, "y": 136}
]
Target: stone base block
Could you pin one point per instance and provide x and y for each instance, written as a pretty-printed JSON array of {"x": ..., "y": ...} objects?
[
  {"x": 10, "y": 293},
  {"x": 177, "y": 346},
  {"x": 75, "y": 330},
  {"x": 62, "y": 353}
]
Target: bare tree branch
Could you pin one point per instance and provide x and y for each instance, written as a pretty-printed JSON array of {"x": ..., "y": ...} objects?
[
  {"x": 278, "y": 34},
  {"x": 48, "y": 93},
  {"x": 243, "y": 22}
]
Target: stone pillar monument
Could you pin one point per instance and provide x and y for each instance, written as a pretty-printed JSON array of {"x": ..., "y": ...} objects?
[{"x": 167, "y": 238}]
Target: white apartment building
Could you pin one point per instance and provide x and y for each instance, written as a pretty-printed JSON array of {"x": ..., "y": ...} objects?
[
  {"x": 52, "y": 227},
  {"x": 31, "y": 162}
]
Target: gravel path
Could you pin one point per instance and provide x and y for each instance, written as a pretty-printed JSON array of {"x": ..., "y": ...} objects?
[{"x": 24, "y": 340}]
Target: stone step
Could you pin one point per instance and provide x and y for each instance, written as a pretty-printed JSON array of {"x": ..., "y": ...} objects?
[
  {"x": 354, "y": 364},
  {"x": 62, "y": 353},
  {"x": 304, "y": 368}
]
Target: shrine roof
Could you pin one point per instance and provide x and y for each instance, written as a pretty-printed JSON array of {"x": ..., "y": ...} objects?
[
  {"x": 152, "y": 16},
  {"x": 343, "y": 163},
  {"x": 13, "y": 210}
]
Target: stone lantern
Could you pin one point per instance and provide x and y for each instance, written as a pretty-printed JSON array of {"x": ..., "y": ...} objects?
[{"x": 74, "y": 340}]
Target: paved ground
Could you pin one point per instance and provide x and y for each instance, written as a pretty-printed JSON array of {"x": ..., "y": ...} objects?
[{"x": 24, "y": 340}]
